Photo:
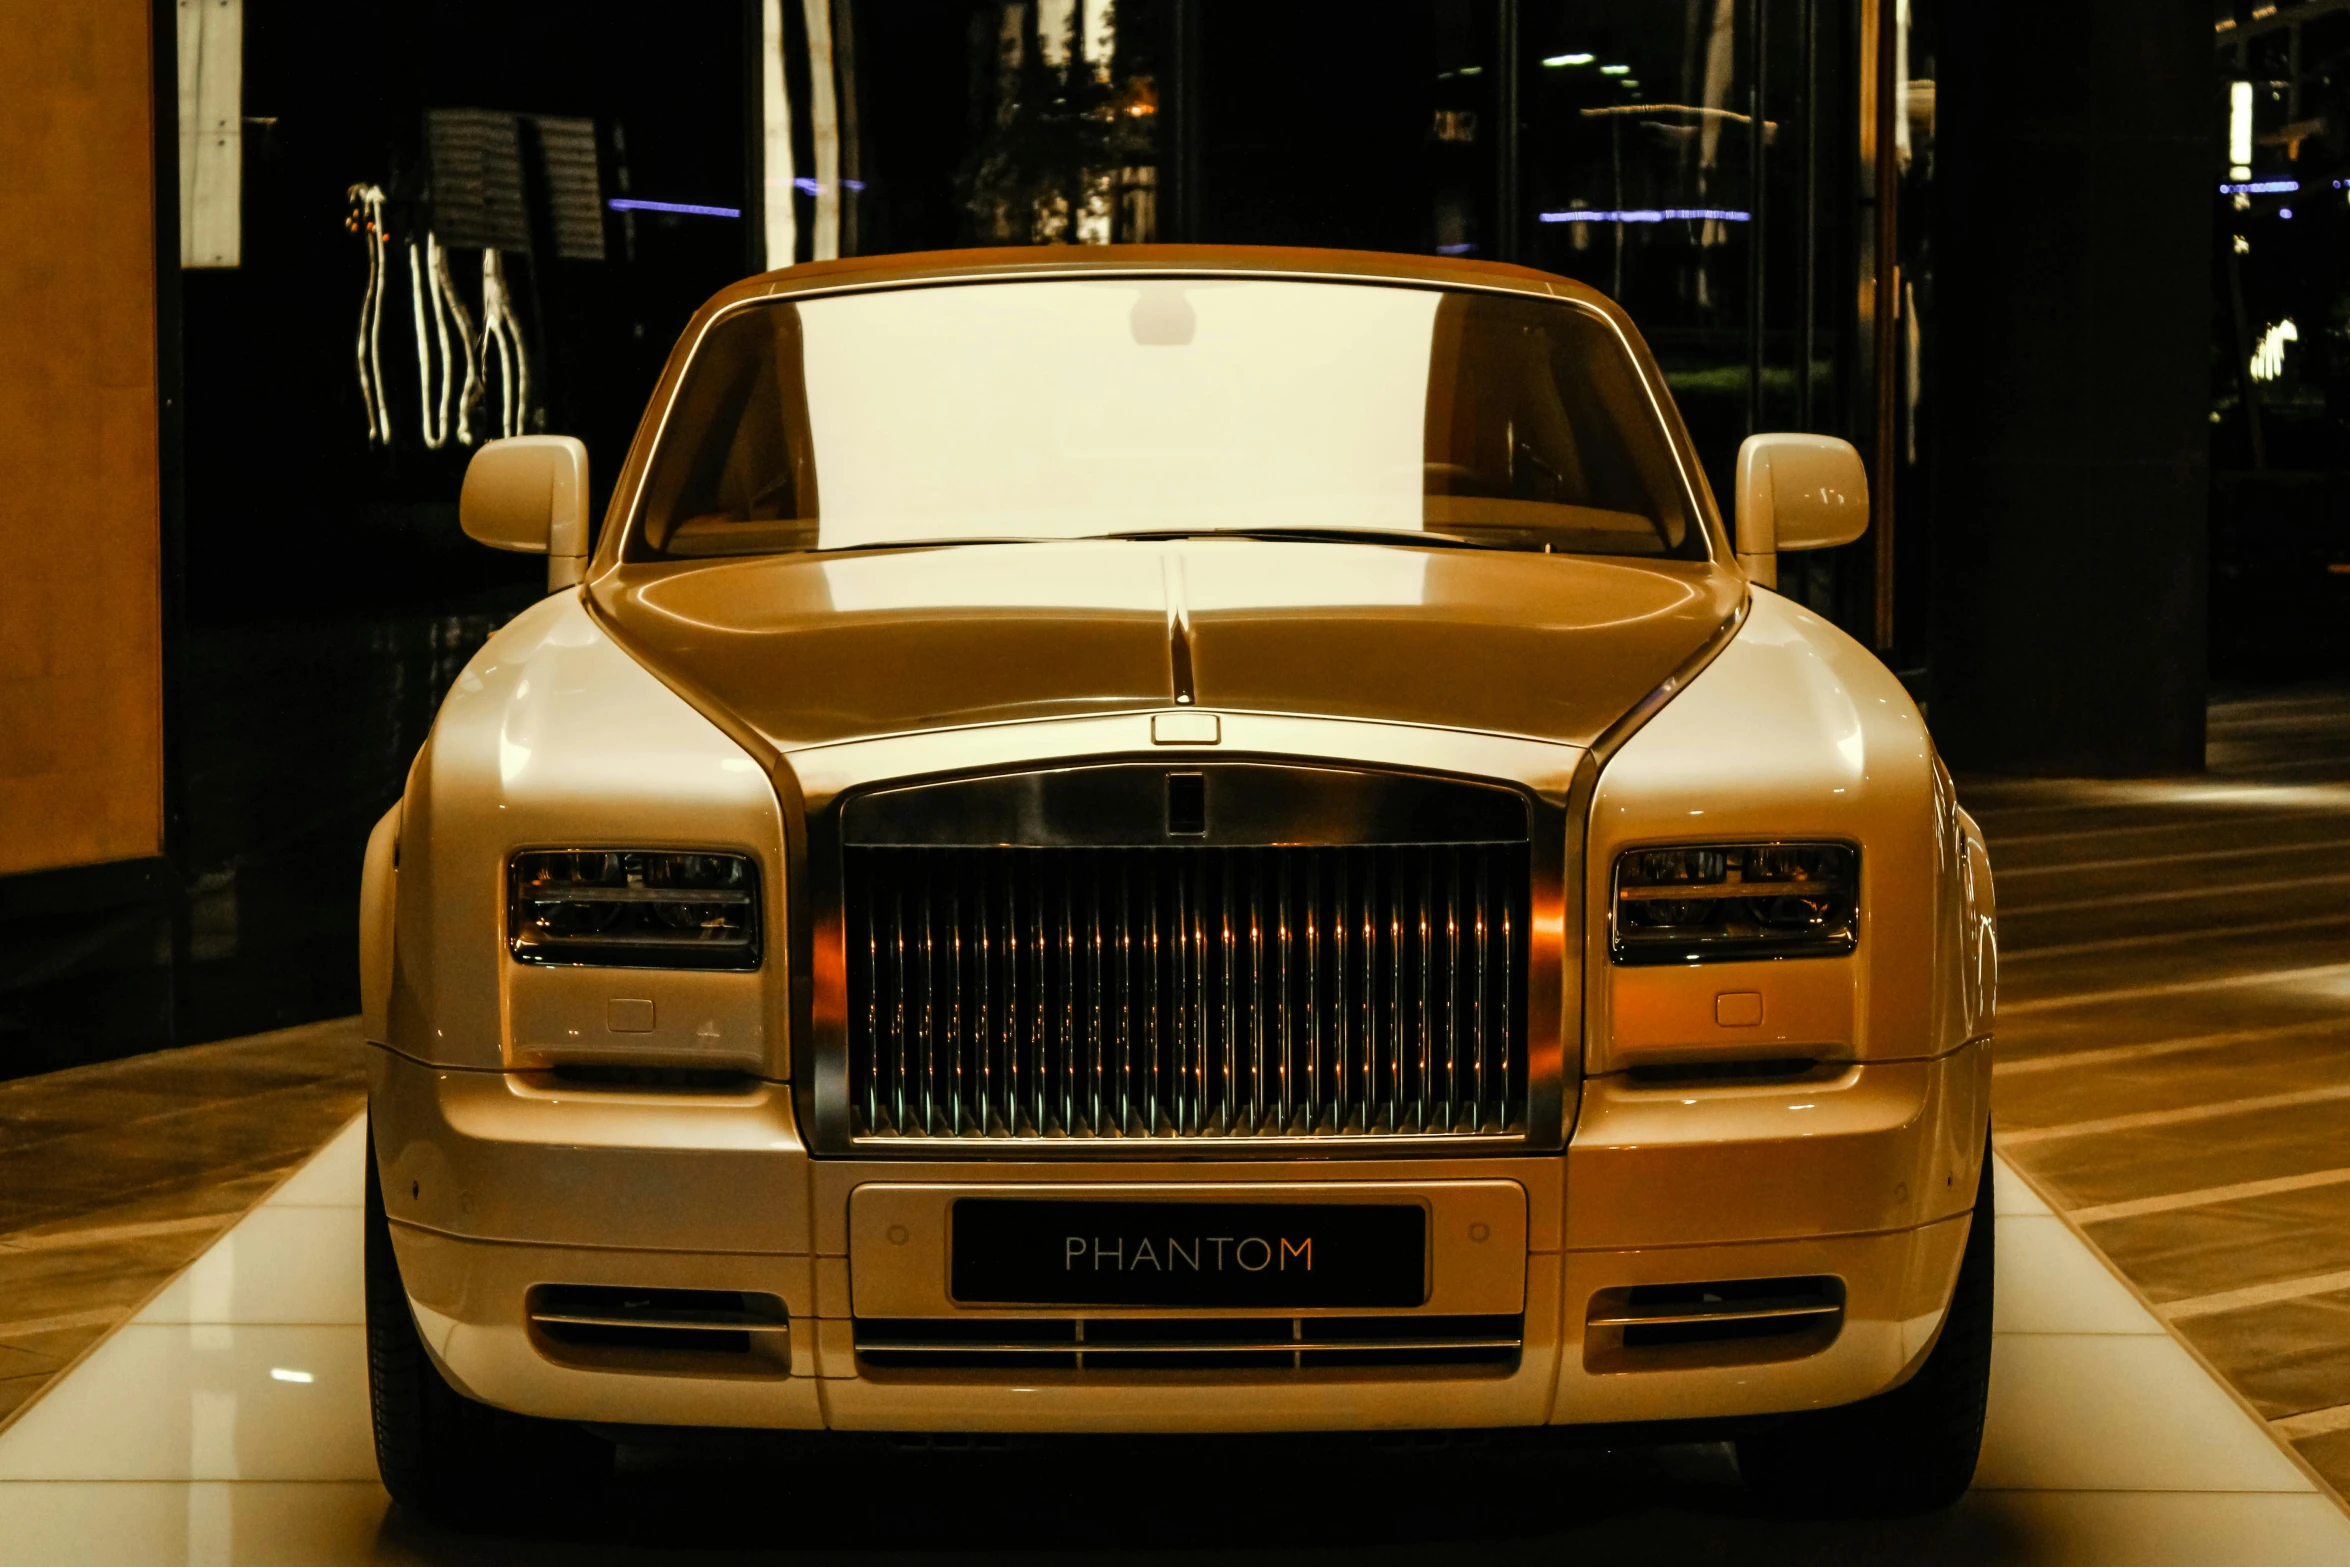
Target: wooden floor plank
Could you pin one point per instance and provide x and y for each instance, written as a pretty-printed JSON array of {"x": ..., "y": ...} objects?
[{"x": 2174, "y": 1040}]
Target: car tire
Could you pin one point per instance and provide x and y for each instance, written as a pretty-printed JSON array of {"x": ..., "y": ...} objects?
[
  {"x": 1908, "y": 1451},
  {"x": 440, "y": 1453}
]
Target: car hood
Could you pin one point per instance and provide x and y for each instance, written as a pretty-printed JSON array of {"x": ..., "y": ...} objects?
[{"x": 810, "y": 649}]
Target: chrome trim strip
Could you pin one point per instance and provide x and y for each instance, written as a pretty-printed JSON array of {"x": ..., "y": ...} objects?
[
  {"x": 1094, "y": 1349},
  {"x": 1178, "y": 632},
  {"x": 675, "y": 1322},
  {"x": 1195, "y": 1146},
  {"x": 1726, "y": 1314},
  {"x": 1118, "y": 802}
]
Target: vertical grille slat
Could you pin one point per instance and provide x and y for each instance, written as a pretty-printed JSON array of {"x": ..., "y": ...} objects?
[
  {"x": 1187, "y": 992},
  {"x": 1311, "y": 1010}
]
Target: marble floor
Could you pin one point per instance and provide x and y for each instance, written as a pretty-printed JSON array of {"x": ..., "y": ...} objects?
[
  {"x": 183, "y": 1380},
  {"x": 113, "y": 1178},
  {"x": 226, "y": 1423},
  {"x": 2174, "y": 1042}
]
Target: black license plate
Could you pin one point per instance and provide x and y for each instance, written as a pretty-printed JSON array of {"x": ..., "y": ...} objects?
[{"x": 1020, "y": 1252}]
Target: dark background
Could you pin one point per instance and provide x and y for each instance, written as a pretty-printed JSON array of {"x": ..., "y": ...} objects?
[{"x": 2097, "y": 519}]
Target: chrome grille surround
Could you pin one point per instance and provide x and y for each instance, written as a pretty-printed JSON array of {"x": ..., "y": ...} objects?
[{"x": 872, "y": 838}]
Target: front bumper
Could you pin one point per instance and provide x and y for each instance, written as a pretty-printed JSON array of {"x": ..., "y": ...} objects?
[{"x": 497, "y": 1184}]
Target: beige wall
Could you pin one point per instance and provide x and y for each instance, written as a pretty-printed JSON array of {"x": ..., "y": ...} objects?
[{"x": 81, "y": 723}]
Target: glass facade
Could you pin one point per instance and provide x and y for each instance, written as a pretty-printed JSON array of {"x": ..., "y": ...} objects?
[
  {"x": 457, "y": 222},
  {"x": 1710, "y": 164},
  {"x": 2280, "y": 385}
]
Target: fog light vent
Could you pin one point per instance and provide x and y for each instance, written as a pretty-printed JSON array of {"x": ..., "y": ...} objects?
[
  {"x": 662, "y": 1329},
  {"x": 1716, "y": 1323}
]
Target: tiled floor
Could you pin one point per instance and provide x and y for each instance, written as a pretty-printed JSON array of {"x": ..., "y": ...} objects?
[
  {"x": 2174, "y": 1074},
  {"x": 2174, "y": 1041},
  {"x": 227, "y": 1424},
  {"x": 113, "y": 1178}
]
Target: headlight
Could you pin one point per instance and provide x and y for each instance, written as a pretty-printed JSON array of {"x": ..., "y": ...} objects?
[
  {"x": 633, "y": 908},
  {"x": 1696, "y": 903}
]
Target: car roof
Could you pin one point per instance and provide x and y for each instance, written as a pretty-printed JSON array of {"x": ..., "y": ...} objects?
[{"x": 934, "y": 266}]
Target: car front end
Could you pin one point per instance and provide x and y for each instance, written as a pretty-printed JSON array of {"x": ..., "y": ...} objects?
[{"x": 1169, "y": 982}]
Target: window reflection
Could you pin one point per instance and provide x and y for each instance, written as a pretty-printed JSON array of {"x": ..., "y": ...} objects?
[{"x": 1069, "y": 153}]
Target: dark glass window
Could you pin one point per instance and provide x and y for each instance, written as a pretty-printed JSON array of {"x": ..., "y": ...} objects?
[
  {"x": 1540, "y": 432},
  {"x": 735, "y": 473}
]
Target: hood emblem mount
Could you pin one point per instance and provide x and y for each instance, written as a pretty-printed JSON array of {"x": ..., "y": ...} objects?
[{"x": 1179, "y": 634}]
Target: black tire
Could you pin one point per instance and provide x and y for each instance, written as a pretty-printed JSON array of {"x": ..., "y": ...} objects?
[
  {"x": 443, "y": 1454},
  {"x": 1911, "y": 1450}
]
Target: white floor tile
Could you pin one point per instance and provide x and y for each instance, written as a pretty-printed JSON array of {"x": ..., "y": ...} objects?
[
  {"x": 203, "y": 1402},
  {"x": 280, "y": 1265},
  {"x": 2009, "y": 1194},
  {"x": 2049, "y": 1282},
  {"x": 2107, "y": 1412},
  {"x": 207, "y": 1524},
  {"x": 333, "y": 1177}
]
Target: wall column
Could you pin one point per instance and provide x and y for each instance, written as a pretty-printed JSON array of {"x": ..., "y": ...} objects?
[
  {"x": 81, "y": 706},
  {"x": 2072, "y": 497}
]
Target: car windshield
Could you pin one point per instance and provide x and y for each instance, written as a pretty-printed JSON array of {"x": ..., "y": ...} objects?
[{"x": 1152, "y": 406}]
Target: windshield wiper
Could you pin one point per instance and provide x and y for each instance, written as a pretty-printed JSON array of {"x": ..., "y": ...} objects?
[
  {"x": 926, "y": 544},
  {"x": 1146, "y": 535},
  {"x": 1319, "y": 536}
]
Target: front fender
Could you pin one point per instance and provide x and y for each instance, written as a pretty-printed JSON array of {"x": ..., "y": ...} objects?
[{"x": 379, "y": 883}]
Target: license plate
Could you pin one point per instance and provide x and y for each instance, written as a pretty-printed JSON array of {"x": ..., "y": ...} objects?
[{"x": 1022, "y": 1252}]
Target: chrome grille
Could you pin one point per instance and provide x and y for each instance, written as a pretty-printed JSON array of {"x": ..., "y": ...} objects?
[{"x": 1187, "y": 992}]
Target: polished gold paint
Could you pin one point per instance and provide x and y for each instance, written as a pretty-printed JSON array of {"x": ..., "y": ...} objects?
[
  {"x": 732, "y": 704},
  {"x": 808, "y": 649}
]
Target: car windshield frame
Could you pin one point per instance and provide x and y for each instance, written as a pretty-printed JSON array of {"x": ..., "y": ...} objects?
[{"x": 1671, "y": 456}]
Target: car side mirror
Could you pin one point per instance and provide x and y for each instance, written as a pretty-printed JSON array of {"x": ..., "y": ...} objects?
[
  {"x": 1797, "y": 492},
  {"x": 529, "y": 493}
]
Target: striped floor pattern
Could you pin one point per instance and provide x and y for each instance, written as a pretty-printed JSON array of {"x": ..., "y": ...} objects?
[{"x": 2174, "y": 1041}]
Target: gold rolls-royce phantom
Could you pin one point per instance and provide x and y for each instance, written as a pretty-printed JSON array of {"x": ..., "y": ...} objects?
[{"x": 1176, "y": 840}]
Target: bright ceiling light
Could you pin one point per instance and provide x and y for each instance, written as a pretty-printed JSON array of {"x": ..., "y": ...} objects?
[
  {"x": 1615, "y": 70},
  {"x": 2239, "y": 123},
  {"x": 1568, "y": 59}
]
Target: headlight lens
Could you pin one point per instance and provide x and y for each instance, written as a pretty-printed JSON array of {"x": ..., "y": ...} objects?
[
  {"x": 633, "y": 908},
  {"x": 1695, "y": 903}
]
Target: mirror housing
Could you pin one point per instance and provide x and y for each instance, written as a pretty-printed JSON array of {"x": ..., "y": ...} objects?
[
  {"x": 1797, "y": 492},
  {"x": 529, "y": 493}
]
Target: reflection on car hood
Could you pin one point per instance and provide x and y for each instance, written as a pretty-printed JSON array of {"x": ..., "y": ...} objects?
[{"x": 809, "y": 649}]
